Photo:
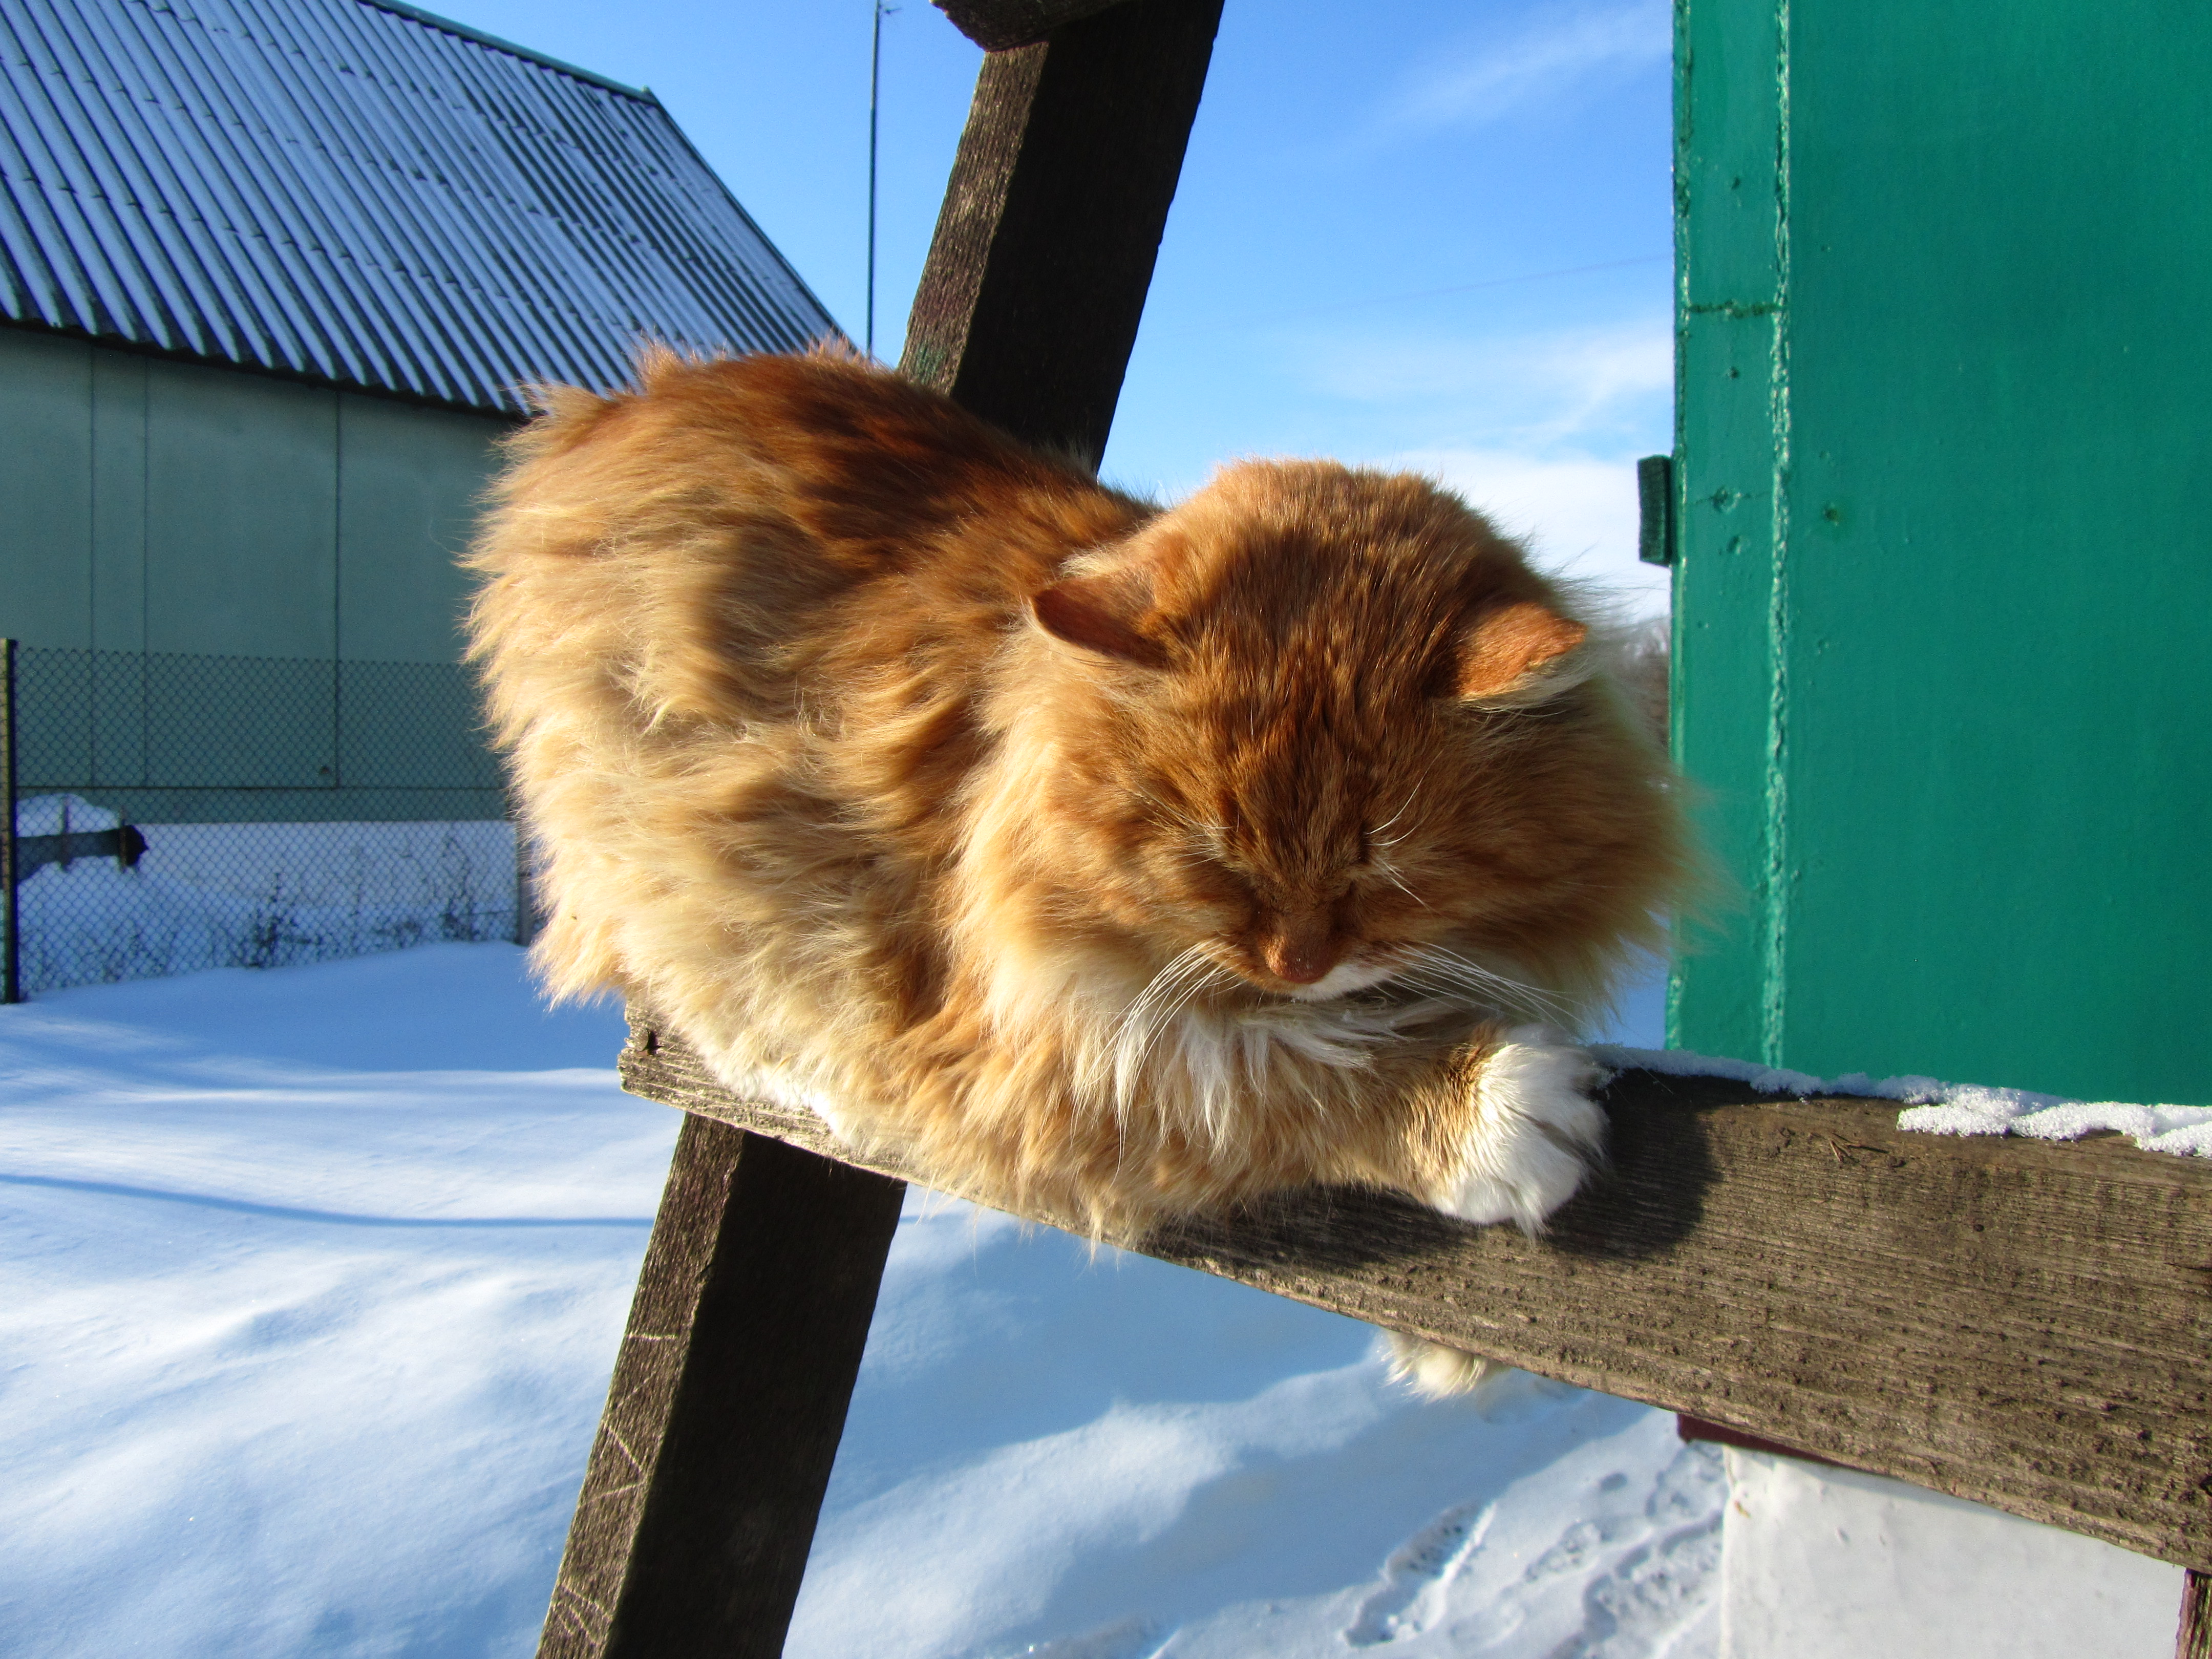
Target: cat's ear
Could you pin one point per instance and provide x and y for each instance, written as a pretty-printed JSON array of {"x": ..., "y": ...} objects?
[
  {"x": 1517, "y": 653},
  {"x": 1103, "y": 613}
]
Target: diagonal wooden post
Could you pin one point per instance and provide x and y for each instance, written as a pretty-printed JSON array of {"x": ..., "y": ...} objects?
[
  {"x": 751, "y": 1313},
  {"x": 2194, "y": 1639},
  {"x": 744, "y": 1337},
  {"x": 1029, "y": 305}
]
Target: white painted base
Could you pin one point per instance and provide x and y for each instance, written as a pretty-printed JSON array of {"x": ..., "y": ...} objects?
[{"x": 1829, "y": 1563}]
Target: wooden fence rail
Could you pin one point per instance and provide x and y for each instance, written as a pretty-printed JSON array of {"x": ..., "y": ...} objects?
[{"x": 2025, "y": 1324}]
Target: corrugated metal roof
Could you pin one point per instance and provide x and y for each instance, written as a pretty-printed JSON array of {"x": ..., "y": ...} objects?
[{"x": 358, "y": 192}]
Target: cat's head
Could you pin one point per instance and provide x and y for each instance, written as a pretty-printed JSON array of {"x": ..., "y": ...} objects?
[{"x": 1317, "y": 730}]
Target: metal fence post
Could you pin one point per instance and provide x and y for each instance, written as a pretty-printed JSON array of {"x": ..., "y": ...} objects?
[
  {"x": 525, "y": 896},
  {"x": 12, "y": 989}
]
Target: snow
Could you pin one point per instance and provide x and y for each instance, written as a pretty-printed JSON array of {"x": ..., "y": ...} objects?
[
  {"x": 1139, "y": 1460},
  {"x": 1950, "y": 1108},
  {"x": 315, "y": 1277},
  {"x": 1823, "y": 1563},
  {"x": 1977, "y": 1111},
  {"x": 256, "y": 895},
  {"x": 50, "y": 815}
]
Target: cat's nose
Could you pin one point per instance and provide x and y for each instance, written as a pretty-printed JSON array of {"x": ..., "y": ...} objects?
[{"x": 1299, "y": 950}]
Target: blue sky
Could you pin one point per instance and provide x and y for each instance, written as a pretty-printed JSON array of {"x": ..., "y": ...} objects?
[{"x": 1433, "y": 233}]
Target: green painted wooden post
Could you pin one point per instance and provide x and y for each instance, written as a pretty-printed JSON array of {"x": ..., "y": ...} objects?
[{"x": 1943, "y": 592}]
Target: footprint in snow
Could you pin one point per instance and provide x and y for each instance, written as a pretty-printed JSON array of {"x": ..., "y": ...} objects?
[{"x": 1412, "y": 1590}]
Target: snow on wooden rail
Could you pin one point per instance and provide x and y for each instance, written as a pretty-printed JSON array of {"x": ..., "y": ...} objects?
[{"x": 2021, "y": 1323}]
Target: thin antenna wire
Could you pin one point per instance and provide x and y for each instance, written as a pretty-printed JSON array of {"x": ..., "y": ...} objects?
[{"x": 875, "y": 72}]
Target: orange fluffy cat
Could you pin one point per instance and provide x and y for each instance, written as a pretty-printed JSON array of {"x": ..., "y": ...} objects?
[{"x": 1119, "y": 861}]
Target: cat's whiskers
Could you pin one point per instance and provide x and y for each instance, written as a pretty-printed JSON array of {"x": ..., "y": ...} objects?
[
  {"x": 1207, "y": 1064},
  {"x": 1452, "y": 993},
  {"x": 1510, "y": 995},
  {"x": 1157, "y": 987},
  {"x": 1375, "y": 836},
  {"x": 1388, "y": 872},
  {"x": 1422, "y": 974},
  {"x": 1559, "y": 1009},
  {"x": 1196, "y": 975},
  {"x": 1202, "y": 1043},
  {"x": 1482, "y": 999},
  {"x": 1209, "y": 975},
  {"x": 1525, "y": 1001},
  {"x": 1165, "y": 994},
  {"x": 1178, "y": 817},
  {"x": 1192, "y": 1045}
]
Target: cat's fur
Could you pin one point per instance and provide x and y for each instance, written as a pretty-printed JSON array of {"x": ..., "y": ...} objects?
[{"x": 1115, "y": 862}]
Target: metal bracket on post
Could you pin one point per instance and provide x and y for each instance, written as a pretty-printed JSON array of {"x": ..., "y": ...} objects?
[
  {"x": 1654, "y": 503},
  {"x": 526, "y": 917}
]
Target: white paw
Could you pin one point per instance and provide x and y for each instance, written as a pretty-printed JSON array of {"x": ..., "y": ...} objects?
[
  {"x": 1435, "y": 1371},
  {"x": 1536, "y": 1132}
]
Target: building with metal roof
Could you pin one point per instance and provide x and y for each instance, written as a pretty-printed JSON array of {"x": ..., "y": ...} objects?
[
  {"x": 273, "y": 275},
  {"x": 363, "y": 194}
]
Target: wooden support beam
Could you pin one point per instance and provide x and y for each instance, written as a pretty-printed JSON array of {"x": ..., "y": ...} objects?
[
  {"x": 2194, "y": 1640},
  {"x": 1029, "y": 306},
  {"x": 2025, "y": 1324},
  {"x": 729, "y": 1395},
  {"x": 751, "y": 1314}
]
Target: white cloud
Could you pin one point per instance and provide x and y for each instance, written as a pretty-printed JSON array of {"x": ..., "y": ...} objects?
[
  {"x": 1590, "y": 388},
  {"x": 1595, "y": 374},
  {"x": 1540, "y": 431},
  {"x": 1576, "y": 513},
  {"x": 1557, "y": 48}
]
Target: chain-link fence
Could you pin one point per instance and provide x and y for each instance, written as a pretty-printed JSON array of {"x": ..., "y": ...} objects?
[{"x": 167, "y": 812}]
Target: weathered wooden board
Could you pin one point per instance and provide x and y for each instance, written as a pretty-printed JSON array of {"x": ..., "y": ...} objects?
[
  {"x": 692, "y": 1532},
  {"x": 997, "y": 25},
  {"x": 2019, "y": 1324},
  {"x": 1029, "y": 306}
]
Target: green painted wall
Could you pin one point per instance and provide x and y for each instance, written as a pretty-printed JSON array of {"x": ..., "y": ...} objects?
[
  {"x": 158, "y": 505},
  {"x": 284, "y": 551},
  {"x": 1944, "y": 592}
]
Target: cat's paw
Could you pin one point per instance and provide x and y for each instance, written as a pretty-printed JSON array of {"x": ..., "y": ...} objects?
[
  {"x": 1536, "y": 1132},
  {"x": 1435, "y": 1371}
]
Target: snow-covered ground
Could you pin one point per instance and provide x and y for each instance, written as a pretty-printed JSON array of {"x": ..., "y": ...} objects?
[
  {"x": 256, "y": 895},
  {"x": 313, "y": 1278}
]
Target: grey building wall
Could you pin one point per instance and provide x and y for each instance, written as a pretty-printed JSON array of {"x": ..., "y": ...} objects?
[
  {"x": 254, "y": 578},
  {"x": 149, "y": 505}
]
